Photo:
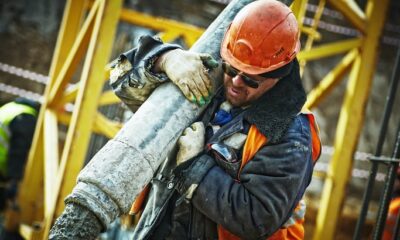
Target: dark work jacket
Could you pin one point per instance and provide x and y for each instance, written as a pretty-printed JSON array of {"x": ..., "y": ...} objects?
[{"x": 270, "y": 185}]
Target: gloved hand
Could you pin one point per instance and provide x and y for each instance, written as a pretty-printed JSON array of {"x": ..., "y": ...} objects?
[
  {"x": 191, "y": 143},
  {"x": 188, "y": 70}
]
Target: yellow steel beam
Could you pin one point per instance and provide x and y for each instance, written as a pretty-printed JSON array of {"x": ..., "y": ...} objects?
[
  {"x": 350, "y": 123},
  {"x": 81, "y": 123},
  {"x": 102, "y": 125},
  {"x": 299, "y": 9},
  {"x": 314, "y": 26},
  {"x": 189, "y": 32},
  {"x": 31, "y": 186},
  {"x": 51, "y": 154},
  {"x": 64, "y": 118},
  {"x": 331, "y": 80},
  {"x": 88, "y": 95},
  {"x": 169, "y": 36},
  {"x": 69, "y": 29},
  {"x": 69, "y": 95},
  {"x": 108, "y": 98},
  {"x": 73, "y": 59},
  {"x": 329, "y": 49},
  {"x": 105, "y": 126},
  {"x": 352, "y": 12},
  {"x": 311, "y": 32},
  {"x": 311, "y": 37}
]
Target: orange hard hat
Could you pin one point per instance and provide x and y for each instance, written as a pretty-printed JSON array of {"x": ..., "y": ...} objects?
[{"x": 263, "y": 36}]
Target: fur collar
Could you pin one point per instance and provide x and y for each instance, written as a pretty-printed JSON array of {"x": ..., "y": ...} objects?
[{"x": 273, "y": 113}]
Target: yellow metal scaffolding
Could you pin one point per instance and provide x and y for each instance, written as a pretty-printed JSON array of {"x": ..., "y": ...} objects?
[
  {"x": 51, "y": 173},
  {"x": 87, "y": 34},
  {"x": 352, "y": 114}
]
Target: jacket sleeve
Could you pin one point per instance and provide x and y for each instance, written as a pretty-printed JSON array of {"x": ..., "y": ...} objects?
[
  {"x": 134, "y": 84},
  {"x": 22, "y": 129},
  {"x": 270, "y": 186}
]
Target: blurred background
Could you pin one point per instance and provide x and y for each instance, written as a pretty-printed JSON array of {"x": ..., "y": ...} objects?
[{"x": 348, "y": 100}]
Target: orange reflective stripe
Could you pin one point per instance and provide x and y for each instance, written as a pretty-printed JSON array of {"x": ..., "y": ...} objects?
[
  {"x": 316, "y": 142},
  {"x": 294, "y": 232},
  {"x": 224, "y": 234},
  {"x": 281, "y": 234},
  {"x": 255, "y": 140}
]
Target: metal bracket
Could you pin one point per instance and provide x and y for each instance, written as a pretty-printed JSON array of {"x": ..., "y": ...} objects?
[{"x": 383, "y": 159}]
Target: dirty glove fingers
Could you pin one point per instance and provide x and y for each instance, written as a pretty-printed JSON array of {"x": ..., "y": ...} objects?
[
  {"x": 187, "y": 131},
  {"x": 185, "y": 89},
  {"x": 208, "y": 61},
  {"x": 202, "y": 85},
  {"x": 190, "y": 90},
  {"x": 197, "y": 94},
  {"x": 198, "y": 127},
  {"x": 206, "y": 81}
]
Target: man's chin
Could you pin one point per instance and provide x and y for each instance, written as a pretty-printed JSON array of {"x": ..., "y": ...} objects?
[
  {"x": 235, "y": 103},
  {"x": 234, "y": 100}
]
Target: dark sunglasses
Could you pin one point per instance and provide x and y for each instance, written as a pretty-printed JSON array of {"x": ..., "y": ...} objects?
[
  {"x": 277, "y": 73},
  {"x": 233, "y": 72}
]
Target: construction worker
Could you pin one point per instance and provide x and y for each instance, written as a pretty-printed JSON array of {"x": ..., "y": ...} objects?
[
  {"x": 242, "y": 168},
  {"x": 17, "y": 125}
]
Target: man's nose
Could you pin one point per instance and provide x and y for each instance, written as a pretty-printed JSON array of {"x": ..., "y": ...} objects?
[{"x": 237, "y": 81}]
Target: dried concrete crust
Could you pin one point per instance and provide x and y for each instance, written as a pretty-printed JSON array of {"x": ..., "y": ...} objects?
[
  {"x": 73, "y": 225},
  {"x": 114, "y": 177}
]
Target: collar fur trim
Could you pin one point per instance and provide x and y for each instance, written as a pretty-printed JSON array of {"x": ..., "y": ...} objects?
[{"x": 273, "y": 113}]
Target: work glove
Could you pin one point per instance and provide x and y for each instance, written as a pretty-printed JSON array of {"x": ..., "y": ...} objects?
[
  {"x": 191, "y": 142},
  {"x": 189, "y": 71},
  {"x": 76, "y": 222}
]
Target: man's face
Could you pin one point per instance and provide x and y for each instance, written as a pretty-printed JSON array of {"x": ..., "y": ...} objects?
[{"x": 239, "y": 94}]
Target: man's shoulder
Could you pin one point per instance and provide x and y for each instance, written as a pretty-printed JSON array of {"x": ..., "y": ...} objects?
[{"x": 300, "y": 125}]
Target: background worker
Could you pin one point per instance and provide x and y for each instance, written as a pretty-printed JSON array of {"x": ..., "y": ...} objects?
[
  {"x": 17, "y": 126},
  {"x": 241, "y": 169}
]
